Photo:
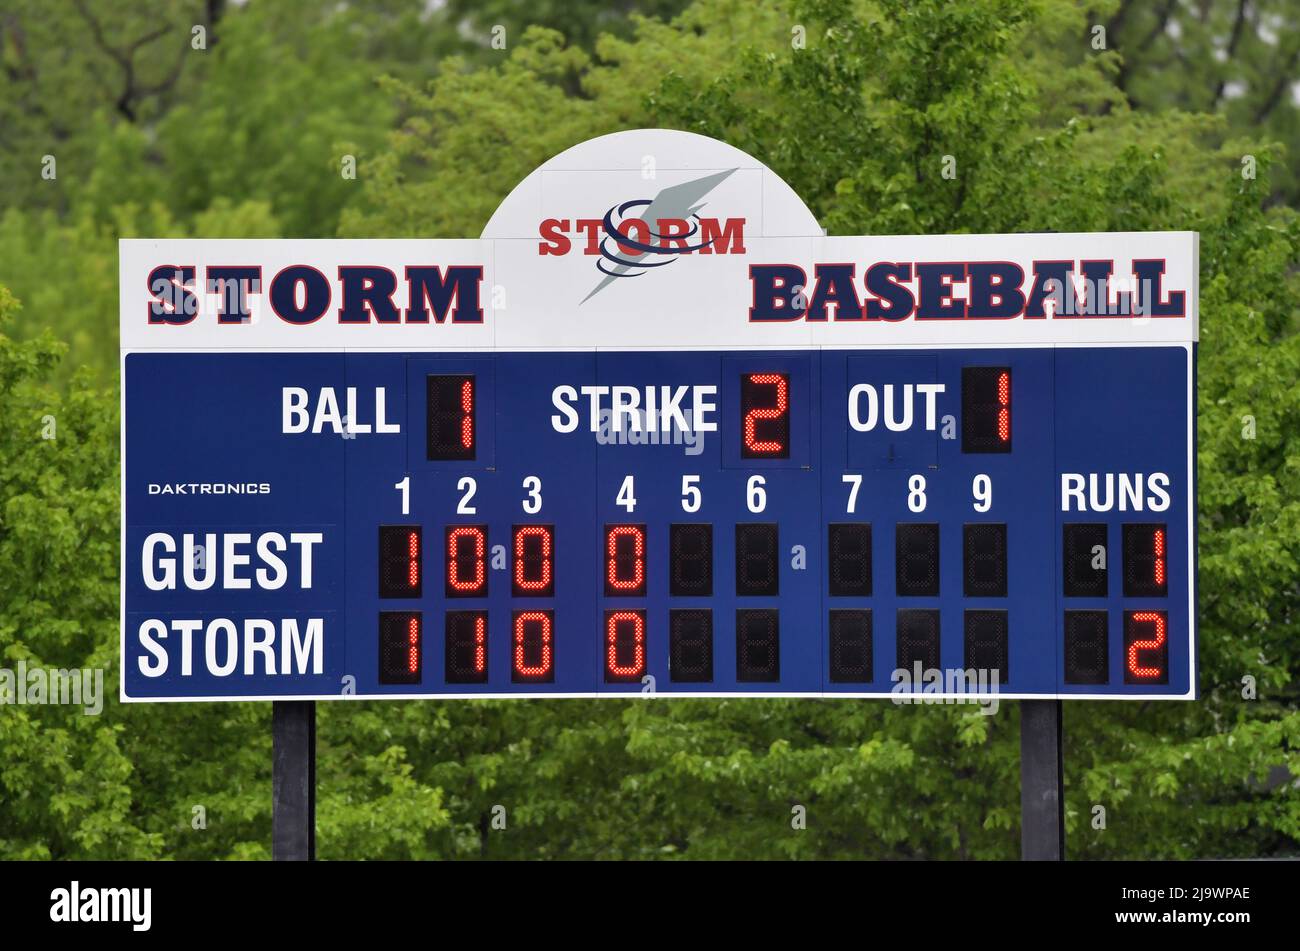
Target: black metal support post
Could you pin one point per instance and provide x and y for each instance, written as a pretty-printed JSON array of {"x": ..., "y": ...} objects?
[
  {"x": 293, "y": 780},
  {"x": 1042, "y": 782}
]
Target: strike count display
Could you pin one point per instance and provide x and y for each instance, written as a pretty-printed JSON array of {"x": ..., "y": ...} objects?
[{"x": 767, "y": 522}]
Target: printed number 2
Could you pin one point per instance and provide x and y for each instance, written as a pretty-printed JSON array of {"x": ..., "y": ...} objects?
[{"x": 467, "y": 487}]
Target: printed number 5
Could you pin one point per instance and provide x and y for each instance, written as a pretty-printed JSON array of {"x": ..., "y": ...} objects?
[{"x": 691, "y": 495}]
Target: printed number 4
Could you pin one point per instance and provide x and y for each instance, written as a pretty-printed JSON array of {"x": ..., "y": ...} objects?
[{"x": 627, "y": 494}]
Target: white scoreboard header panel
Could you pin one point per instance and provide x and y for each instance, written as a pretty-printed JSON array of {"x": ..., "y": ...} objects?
[{"x": 654, "y": 430}]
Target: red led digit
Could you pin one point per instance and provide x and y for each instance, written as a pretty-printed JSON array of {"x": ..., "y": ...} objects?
[
  {"x": 466, "y": 561},
  {"x": 399, "y": 647},
  {"x": 534, "y": 560},
  {"x": 765, "y": 402},
  {"x": 625, "y": 559},
  {"x": 534, "y": 653},
  {"x": 1158, "y": 553},
  {"x": 413, "y": 552},
  {"x": 1138, "y": 667},
  {"x": 466, "y": 645},
  {"x": 1146, "y": 568},
  {"x": 625, "y": 653},
  {"x": 1004, "y": 406},
  {"x": 399, "y": 561},
  {"x": 467, "y": 420},
  {"x": 413, "y": 645},
  {"x": 480, "y": 644},
  {"x": 449, "y": 416},
  {"x": 985, "y": 409}
]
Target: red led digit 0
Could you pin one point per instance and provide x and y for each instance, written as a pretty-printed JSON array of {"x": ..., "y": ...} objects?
[
  {"x": 1004, "y": 406},
  {"x": 534, "y": 560},
  {"x": 624, "y": 656},
  {"x": 538, "y": 666},
  {"x": 1135, "y": 666},
  {"x": 466, "y": 561},
  {"x": 624, "y": 559},
  {"x": 754, "y": 446}
]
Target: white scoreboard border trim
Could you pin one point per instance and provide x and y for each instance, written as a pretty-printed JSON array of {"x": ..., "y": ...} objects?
[{"x": 910, "y": 698}]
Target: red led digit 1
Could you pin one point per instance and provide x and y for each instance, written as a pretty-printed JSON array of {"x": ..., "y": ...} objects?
[
  {"x": 625, "y": 560},
  {"x": 1004, "y": 406},
  {"x": 467, "y": 649},
  {"x": 1146, "y": 647},
  {"x": 466, "y": 561},
  {"x": 412, "y": 645},
  {"x": 533, "y": 647},
  {"x": 1146, "y": 569},
  {"x": 399, "y": 647},
  {"x": 413, "y": 558},
  {"x": 986, "y": 409},
  {"x": 765, "y": 405},
  {"x": 534, "y": 573},
  {"x": 467, "y": 417},
  {"x": 399, "y": 561},
  {"x": 624, "y": 646},
  {"x": 1158, "y": 555},
  {"x": 450, "y": 412}
]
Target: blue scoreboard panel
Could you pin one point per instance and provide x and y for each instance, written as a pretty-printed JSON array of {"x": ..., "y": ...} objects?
[
  {"x": 656, "y": 434},
  {"x": 690, "y": 522}
]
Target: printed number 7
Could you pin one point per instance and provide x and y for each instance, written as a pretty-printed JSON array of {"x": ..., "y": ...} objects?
[{"x": 854, "y": 482}]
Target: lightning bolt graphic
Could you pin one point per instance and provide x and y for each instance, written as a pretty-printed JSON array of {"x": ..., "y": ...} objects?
[{"x": 675, "y": 201}]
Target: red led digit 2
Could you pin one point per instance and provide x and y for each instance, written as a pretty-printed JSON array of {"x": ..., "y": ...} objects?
[{"x": 765, "y": 416}]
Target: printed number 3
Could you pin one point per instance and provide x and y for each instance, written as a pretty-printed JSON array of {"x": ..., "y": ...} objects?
[{"x": 533, "y": 486}]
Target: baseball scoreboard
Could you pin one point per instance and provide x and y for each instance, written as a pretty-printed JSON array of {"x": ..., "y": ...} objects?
[{"x": 656, "y": 434}]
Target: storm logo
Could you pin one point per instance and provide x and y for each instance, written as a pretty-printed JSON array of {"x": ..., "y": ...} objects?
[{"x": 641, "y": 234}]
